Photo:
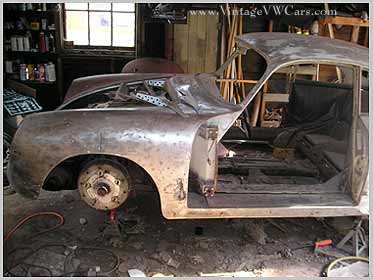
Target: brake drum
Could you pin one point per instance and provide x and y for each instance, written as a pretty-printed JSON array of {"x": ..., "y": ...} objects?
[{"x": 104, "y": 184}]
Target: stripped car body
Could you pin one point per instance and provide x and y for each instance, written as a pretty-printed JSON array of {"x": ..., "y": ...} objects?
[{"x": 174, "y": 138}]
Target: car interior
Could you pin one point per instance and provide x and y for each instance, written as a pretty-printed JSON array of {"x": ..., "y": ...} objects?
[{"x": 303, "y": 161}]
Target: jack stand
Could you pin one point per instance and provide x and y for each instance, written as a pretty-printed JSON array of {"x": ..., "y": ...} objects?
[
  {"x": 115, "y": 223},
  {"x": 357, "y": 236}
]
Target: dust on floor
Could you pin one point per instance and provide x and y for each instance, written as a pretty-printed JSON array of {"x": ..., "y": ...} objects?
[{"x": 152, "y": 244}]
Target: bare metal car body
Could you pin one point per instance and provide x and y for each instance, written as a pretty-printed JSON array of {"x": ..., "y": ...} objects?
[{"x": 178, "y": 138}]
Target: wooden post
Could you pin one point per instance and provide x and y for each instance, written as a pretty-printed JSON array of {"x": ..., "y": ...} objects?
[
  {"x": 265, "y": 88},
  {"x": 355, "y": 34},
  {"x": 331, "y": 35},
  {"x": 229, "y": 52},
  {"x": 366, "y": 37}
]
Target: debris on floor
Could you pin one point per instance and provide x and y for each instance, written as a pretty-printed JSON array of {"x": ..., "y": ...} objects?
[
  {"x": 153, "y": 245},
  {"x": 136, "y": 273}
]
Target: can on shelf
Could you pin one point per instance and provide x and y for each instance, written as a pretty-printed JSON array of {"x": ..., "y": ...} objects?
[{"x": 30, "y": 68}]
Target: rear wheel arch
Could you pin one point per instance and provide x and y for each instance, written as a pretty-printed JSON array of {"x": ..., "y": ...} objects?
[{"x": 66, "y": 171}]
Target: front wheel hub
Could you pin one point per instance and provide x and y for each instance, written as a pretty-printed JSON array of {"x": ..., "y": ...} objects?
[{"x": 104, "y": 184}]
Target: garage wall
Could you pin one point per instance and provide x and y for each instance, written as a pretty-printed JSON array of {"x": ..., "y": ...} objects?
[{"x": 196, "y": 43}]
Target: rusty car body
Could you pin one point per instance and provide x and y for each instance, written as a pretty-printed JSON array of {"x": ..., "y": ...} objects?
[{"x": 170, "y": 127}]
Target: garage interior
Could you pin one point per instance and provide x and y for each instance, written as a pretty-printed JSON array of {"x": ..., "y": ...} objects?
[{"x": 266, "y": 159}]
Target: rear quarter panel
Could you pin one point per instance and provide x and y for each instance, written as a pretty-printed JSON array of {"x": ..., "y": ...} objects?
[{"x": 158, "y": 140}]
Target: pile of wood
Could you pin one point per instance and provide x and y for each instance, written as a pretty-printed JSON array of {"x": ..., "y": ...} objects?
[{"x": 232, "y": 85}]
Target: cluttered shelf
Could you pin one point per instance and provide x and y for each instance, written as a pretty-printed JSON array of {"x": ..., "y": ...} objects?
[
  {"x": 31, "y": 49},
  {"x": 35, "y": 53},
  {"x": 30, "y": 10},
  {"x": 40, "y": 73},
  {"x": 35, "y": 82}
]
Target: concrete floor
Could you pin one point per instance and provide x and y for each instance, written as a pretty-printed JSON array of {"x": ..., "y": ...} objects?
[{"x": 153, "y": 244}]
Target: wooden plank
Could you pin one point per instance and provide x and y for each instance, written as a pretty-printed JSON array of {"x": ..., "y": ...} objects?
[
  {"x": 366, "y": 38},
  {"x": 276, "y": 97},
  {"x": 192, "y": 42},
  {"x": 212, "y": 22},
  {"x": 276, "y": 188},
  {"x": 200, "y": 48},
  {"x": 331, "y": 35},
  {"x": 251, "y": 200},
  {"x": 181, "y": 45},
  {"x": 169, "y": 41},
  {"x": 345, "y": 21},
  {"x": 299, "y": 70},
  {"x": 237, "y": 81},
  {"x": 260, "y": 97}
]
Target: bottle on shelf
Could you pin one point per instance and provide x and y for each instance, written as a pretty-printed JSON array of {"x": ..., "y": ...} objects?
[
  {"x": 31, "y": 76},
  {"x": 20, "y": 44},
  {"x": 42, "y": 46},
  {"x": 36, "y": 73},
  {"x": 46, "y": 39},
  {"x": 29, "y": 38},
  {"x": 41, "y": 73},
  {"x": 50, "y": 72},
  {"x": 51, "y": 43},
  {"x": 26, "y": 43},
  {"x": 22, "y": 72},
  {"x": 44, "y": 24},
  {"x": 13, "y": 43}
]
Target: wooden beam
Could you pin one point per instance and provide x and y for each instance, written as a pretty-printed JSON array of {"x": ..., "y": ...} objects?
[
  {"x": 339, "y": 20},
  {"x": 366, "y": 38},
  {"x": 299, "y": 70},
  {"x": 260, "y": 96},
  {"x": 331, "y": 35},
  {"x": 355, "y": 34},
  {"x": 237, "y": 81},
  {"x": 276, "y": 97}
]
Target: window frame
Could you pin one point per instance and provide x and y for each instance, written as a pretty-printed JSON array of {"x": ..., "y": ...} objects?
[
  {"x": 361, "y": 113},
  {"x": 112, "y": 49}
]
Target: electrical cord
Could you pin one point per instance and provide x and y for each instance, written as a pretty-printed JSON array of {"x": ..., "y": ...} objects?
[
  {"x": 351, "y": 258},
  {"x": 20, "y": 261},
  {"x": 39, "y": 267},
  {"x": 117, "y": 259},
  {"x": 29, "y": 217},
  {"x": 33, "y": 251}
]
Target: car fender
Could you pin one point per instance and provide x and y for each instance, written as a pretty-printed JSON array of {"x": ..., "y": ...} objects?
[{"x": 155, "y": 138}]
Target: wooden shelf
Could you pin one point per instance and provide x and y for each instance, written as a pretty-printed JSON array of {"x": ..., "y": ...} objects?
[
  {"x": 28, "y": 13},
  {"x": 17, "y": 31},
  {"x": 33, "y": 53},
  {"x": 35, "y": 82},
  {"x": 339, "y": 20}
]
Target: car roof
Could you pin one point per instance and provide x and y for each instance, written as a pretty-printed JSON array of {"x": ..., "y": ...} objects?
[{"x": 282, "y": 48}]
